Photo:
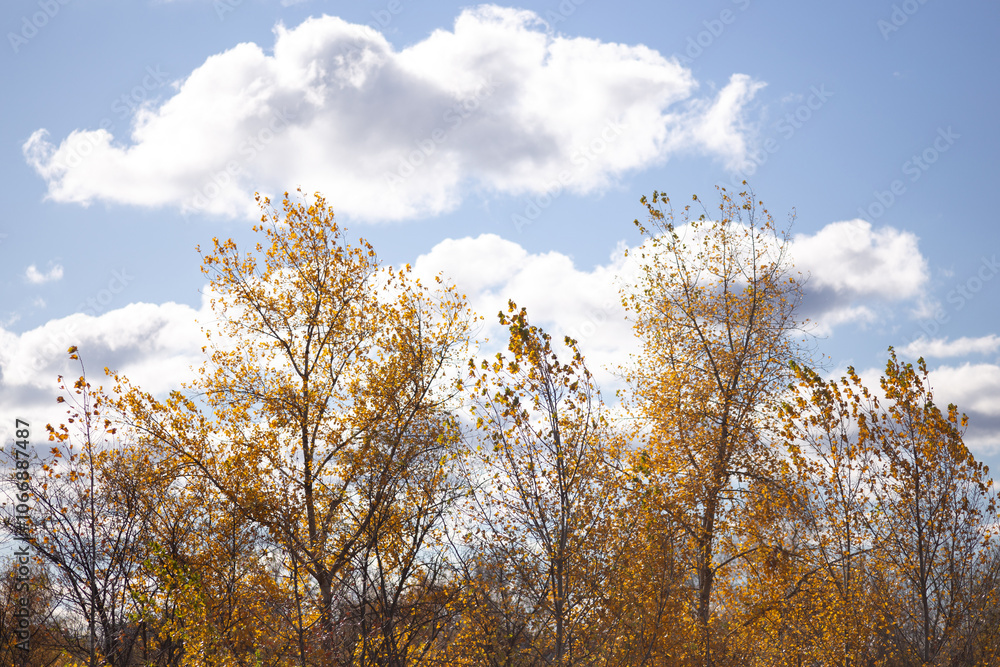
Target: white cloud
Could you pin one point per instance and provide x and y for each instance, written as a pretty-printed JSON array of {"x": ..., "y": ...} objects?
[
  {"x": 156, "y": 346},
  {"x": 975, "y": 389},
  {"x": 160, "y": 342},
  {"x": 498, "y": 102},
  {"x": 852, "y": 257},
  {"x": 855, "y": 271},
  {"x": 36, "y": 277},
  {"x": 153, "y": 345},
  {"x": 722, "y": 127},
  {"x": 960, "y": 347},
  {"x": 825, "y": 321},
  {"x": 560, "y": 297},
  {"x": 566, "y": 299}
]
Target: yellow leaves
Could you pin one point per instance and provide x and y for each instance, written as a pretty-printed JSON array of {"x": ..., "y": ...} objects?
[
  {"x": 327, "y": 392},
  {"x": 894, "y": 489},
  {"x": 714, "y": 310},
  {"x": 321, "y": 417}
]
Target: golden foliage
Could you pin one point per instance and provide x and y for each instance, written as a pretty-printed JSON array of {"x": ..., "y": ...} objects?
[{"x": 317, "y": 497}]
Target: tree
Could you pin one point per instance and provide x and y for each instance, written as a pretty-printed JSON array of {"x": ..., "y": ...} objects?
[
  {"x": 931, "y": 502},
  {"x": 216, "y": 595},
  {"x": 899, "y": 520},
  {"x": 327, "y": 389},
  {"x": 715, "y": 311},
  {"x": 835, "y": 452},
  {"x": 87, "y": 530},
  {"x": 548, "y": 489},
  {"x": 40, "y": 646}
]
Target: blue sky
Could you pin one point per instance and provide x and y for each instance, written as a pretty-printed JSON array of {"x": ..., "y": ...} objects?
[{"x": 134, "y": 131}]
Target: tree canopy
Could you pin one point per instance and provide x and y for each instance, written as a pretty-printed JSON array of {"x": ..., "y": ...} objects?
[{"x": 346, "y": 481}]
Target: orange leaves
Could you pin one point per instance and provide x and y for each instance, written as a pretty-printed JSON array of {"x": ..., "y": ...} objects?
[{"x": 307, "y": 492}]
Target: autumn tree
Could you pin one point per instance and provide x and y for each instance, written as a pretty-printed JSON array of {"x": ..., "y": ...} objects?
[
  {"x": 548, "y": 489},
  {"x": 326, "y": 390},
  {"x": 983, "y": 636},
  {"x": 216, "y": 594},
  {"x": 932, "y": 505},
  {"x": 714, "y": 309},
  {"x": 836, "y": 453},
  {"x": 86, "y": 531},
  {"x": 899, "y": 522},
  {"x": 42, "y": 645}
]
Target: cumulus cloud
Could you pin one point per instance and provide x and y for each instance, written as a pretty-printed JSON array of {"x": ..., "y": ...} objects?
[
  {"x": 960, "y": 347},
  {"x": 158, "y": 341},
  {"x": 569, "y": 300},
  {"x": 975, "y": 389},
  {"x": 36, "y": 277},
  {"x": 155, "y": 346},
  {"x": 856, "y": 270},
  {"x": 162, "y": 341},
  {"x": 499, "y": 102},
  {"x": 855, "y": 274},
  {"x": 562, "y": 298},
  {"x": 586, "y": 304}
]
